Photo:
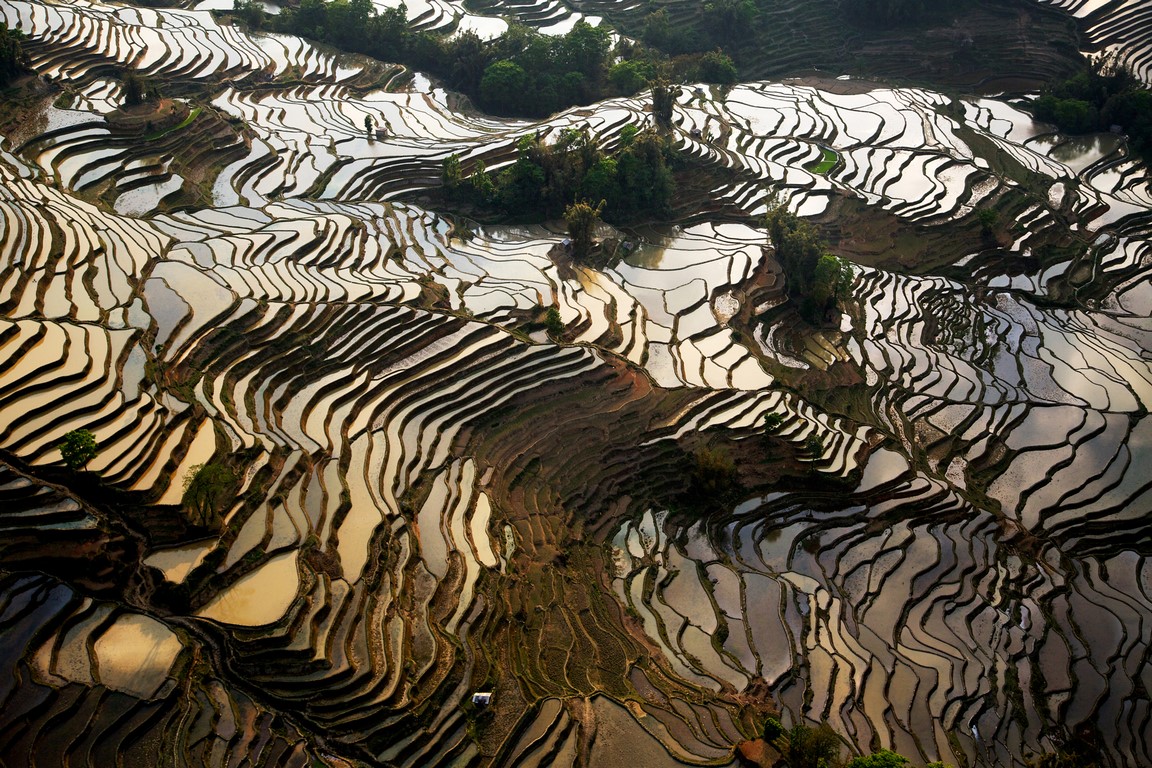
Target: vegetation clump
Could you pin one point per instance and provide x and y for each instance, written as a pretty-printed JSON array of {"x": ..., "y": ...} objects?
[
  {"x": 817, "y": 279},
  {"x": 78, "y": 448},
  {"x": 635, "y": 180},
  {"x": 522, "y": 72},
  {"x": 582, "y": 218},
  {"x": 206, "y": 489}
]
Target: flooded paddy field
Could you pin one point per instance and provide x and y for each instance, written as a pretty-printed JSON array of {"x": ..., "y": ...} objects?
[{"x": 938, "y": 540}]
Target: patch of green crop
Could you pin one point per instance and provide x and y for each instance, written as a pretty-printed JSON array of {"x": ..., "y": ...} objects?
[{"x": 829, "y": 160}]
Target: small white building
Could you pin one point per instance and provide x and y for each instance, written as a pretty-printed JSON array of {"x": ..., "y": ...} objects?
[{"x": 482, "y": 698}]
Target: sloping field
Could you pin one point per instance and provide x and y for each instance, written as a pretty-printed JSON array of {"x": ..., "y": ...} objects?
[{"x": 936, "y": 532}]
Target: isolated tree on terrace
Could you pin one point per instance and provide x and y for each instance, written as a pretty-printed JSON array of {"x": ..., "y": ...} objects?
[
  {"x": 663, "y": 100},
  {"x": 135, "y": 90},
  {"x": 206, "y": 488},
  {"x": 78, "y": 448},
  {"x": 582, "y": 218}
]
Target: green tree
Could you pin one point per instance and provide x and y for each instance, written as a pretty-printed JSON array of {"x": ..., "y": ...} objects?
[
  {"x": 885, "y": 758},
  {"x": 716, "y": 67},
  {"x": 469, "y": 58},
  {"x": 451, "y": 175},
  {"x": 504, "y": 86},
  {"x": 206, "y": 488},
  {"x": 553, "y": 323},
  {"x": 78, "y": 448},
  {"x": 642, "y": 173},
  {"x": 582, "y": 218},
  {"x": 600, "y": 182},
  {"x": 730, "y": 19},
  {"x": 483, "y": 188},
  {"x": 630, "y": 76}
]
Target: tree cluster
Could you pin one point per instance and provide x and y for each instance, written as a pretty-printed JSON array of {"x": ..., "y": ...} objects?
[
  {"x": 521, "y": 73},
  {"x": 634, "y": 180},
  {"x": 816, "y": 278},
  {"x": 13, "y": 60},
  {"x": 1103, "y": 94}
]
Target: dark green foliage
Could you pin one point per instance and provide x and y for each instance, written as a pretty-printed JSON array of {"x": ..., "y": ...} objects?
[
  {"x": 483, "y": 188},
  {"x": 13, "y": 60},
  {"x": 207, "y": 489},
  {"x": 815, "y": 278},
  {"x": 988, "y": 218},
  {"x": 716, "y": 67},
  {"x": 504, "y": 86},
  {"x": 772, "y": 728},
  {"x": 814, "y": 446},
  {"x": 1070, "y": 115},
  {"x": 631, "y": 76},
  {"x": 78, "y": 448},
  {"x": 659, "y": 32},
  {"x": 1132, "y": 111},
  {"x": 885, "y": 758},
  {"x": 809, "y": 747},
  {"x": 553, "y": 322}
]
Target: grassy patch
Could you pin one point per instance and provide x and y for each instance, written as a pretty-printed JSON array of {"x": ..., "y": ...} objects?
[
  {"x": 192, "y": 115},
  {"x": 827, "y": 162}
]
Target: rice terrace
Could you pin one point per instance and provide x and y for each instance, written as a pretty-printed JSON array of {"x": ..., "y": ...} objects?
[{"x": 576, "y": 383}]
